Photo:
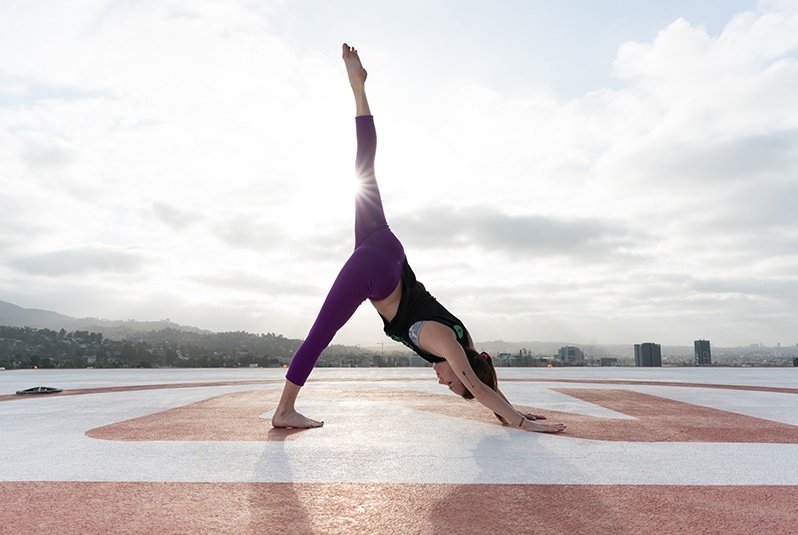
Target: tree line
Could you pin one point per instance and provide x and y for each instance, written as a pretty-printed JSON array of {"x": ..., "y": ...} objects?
[{"x": 26, "y": 347}]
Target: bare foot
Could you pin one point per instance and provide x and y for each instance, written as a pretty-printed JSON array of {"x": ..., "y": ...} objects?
[
  {"x": 357, "y": 74},
  {"x": 295, "y": 420}
]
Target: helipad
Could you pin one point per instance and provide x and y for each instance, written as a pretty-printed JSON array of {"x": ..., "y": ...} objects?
[{"x": 670, "y": 450}]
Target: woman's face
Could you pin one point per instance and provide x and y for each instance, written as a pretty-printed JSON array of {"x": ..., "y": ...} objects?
[{"x": 446, "y": 376}]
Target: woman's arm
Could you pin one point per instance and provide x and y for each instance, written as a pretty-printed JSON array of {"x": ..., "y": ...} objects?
[
  {"x": 439, "y": 339},
  {"x": 529, "y": 416}
]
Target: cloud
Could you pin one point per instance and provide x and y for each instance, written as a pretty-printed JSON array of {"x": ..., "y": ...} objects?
[
  {"x": 78, "y": 261},
  {"x": 780, "y": 289},
  {"x": 448, "y": 228},
  {"x": 173, "y": 216},
  {"x": 257, "y": 283},
  {"x": 204, "y": 151}
]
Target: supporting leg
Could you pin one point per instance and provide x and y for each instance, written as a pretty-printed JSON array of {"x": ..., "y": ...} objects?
[{"x": 286, "y": 415}]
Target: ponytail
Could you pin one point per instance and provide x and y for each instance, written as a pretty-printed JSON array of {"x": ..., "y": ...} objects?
[{"x": 482, "y": 364}]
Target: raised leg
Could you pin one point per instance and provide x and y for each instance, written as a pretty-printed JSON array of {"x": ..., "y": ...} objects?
[{"x": 369, "y": 214}]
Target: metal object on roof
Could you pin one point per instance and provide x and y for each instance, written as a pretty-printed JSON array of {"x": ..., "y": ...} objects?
[{"x": 39, "y": 390}]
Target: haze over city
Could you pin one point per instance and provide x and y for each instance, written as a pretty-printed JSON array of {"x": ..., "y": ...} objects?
[{"x": 610, "y": 172}]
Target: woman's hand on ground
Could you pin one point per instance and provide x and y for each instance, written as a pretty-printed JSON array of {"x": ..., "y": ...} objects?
[
  {"x": 529, "y": 425},
  {"x": 530, "y": 416}
]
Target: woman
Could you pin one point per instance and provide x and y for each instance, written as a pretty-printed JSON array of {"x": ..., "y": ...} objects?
[{"x": 377, "y": 270}]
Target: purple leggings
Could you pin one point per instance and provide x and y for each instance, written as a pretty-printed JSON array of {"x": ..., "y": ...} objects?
[{"x": 372, "y": 271}]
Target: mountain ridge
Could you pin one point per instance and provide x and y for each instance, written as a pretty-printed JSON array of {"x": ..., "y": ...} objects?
[{"x": 12, "y": 315}]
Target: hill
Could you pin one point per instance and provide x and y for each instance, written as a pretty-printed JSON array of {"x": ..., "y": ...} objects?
[{"x": 15, "y": 316}]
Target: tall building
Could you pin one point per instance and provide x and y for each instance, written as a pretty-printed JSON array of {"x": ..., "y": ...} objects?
[
  {"x": 571, "y": 355},
  {"x": 703, "y": 355},
  {"x": 648, "y": 354}
]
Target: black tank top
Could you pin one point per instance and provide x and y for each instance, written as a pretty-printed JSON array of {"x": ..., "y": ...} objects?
[{"x": 417, "y": 304}]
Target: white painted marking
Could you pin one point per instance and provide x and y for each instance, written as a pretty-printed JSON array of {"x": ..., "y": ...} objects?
[{"x": 366, "y": 441}]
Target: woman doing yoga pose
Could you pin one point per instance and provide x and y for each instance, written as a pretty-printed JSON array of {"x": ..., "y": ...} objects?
[{"x": 378, "y": 271}]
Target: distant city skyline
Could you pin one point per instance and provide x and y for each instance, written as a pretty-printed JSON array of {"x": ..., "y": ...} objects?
[
  {"x": 147, "y": 345},
  {"x": 592, "y": 173}
]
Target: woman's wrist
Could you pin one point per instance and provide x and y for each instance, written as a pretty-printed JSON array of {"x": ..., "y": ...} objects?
[{"x": 523, "y": 419}]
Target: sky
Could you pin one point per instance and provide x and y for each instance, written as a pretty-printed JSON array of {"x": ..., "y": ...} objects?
[{"x": 577, "y": 171}]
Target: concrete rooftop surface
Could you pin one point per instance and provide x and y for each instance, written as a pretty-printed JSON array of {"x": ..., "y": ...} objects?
[{"x": 657, "y": 450}]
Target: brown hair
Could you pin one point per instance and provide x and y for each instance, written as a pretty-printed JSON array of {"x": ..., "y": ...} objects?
[{"x": 482, "y": 364}]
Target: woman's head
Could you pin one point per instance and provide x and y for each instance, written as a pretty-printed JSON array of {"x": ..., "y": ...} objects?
[{"x": 481, "y": 363}]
